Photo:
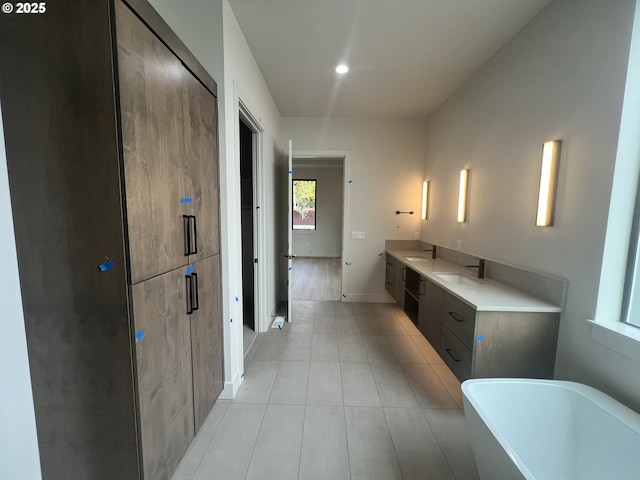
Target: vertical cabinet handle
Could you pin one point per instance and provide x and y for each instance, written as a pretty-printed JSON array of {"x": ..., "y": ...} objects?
[
  {"x": 195, "y": 236},
  {"x": 187, "y": 234},
  {"x": 189, "y": 295},
  {"x": 420, "y": 287},
  {"x": 193, "y": 303},
  {"x": 190, "y": 235},
  {"x": 404, "y": 271}
]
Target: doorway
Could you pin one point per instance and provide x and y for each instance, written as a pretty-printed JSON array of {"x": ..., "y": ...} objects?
[
  {"x": 318, "y": 228},
  {"x": 247, "y": 202}
]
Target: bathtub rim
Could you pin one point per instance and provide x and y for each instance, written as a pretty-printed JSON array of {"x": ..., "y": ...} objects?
[{"x": 607, "y": 403}]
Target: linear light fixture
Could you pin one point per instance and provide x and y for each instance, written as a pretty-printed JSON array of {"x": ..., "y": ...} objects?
[
  {"x": 548, "y": 183},
  {"x": 425, "y": 195},
  {"x": 462, "y": 195}
]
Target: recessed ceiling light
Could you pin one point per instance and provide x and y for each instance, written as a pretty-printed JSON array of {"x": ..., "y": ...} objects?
[{"x": 342, "y": 69}]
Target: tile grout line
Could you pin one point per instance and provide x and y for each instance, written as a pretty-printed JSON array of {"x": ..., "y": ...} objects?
[
  {"x": 346, "y": 433},
  {"x": 204, "y": 451},
  {"x": 444, "y": 455},
  {"x": 304, "y": 421},
  {"x": 255, "y": 442}
]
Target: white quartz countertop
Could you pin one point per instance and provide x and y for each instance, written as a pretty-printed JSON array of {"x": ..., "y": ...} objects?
[{"x": 483, "y": 294}]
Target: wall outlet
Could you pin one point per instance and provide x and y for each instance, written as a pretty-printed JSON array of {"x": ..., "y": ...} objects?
[
  {"x": 416, "y": 235},
  {"x": 458, "y": 244},
  {"x": 357, "y": 235}
]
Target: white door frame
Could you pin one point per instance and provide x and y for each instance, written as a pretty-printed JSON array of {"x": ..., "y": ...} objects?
[
  {"x": 346, "y": 220},
  {"x": 259, "y": 240}
]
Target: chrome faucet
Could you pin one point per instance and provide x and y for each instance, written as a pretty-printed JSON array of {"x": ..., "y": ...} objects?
[{"x": 480, "y": 267}]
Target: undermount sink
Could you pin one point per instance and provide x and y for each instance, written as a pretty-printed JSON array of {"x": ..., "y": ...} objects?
[
  {"x": 457, "y": 278},
  {"x": 418, "y": 259}
]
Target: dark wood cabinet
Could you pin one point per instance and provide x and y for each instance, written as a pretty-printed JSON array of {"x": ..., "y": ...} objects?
[
  {"x": 151, "y": 105},
  {"x": 164, "y": 371},
  {"x": 206, "y": 340},
  {"x": 169, "y": 147},
  {"x": 395, "y": 279},
  {"x": 111, "y": 140},
  {"x": 430, "y": 311},
  {"x": 480, "y": 344},
  {"x": 201, "y": 166},
  {"x": 389, "y": 275}
]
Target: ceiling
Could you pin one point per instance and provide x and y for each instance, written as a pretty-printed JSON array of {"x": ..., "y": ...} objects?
[{"x": 405, "y": 56}]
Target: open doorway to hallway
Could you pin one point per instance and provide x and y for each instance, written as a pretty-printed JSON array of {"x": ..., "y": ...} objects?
[
  {"x": 317, "y": 228},
  {"x": 248, "y": 150}
]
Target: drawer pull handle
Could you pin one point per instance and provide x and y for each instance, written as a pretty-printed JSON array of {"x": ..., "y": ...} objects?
[
  {"x": 456, "y": 317},
  {"x": 389, "y": 283},
  {"x": 451, "y": 354}
]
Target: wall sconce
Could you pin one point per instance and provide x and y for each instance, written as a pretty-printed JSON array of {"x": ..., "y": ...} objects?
[
  {"x": 548, "y": 183},
  {"x": 462, "y": 195},
  {"x": 425, "y": 194}
]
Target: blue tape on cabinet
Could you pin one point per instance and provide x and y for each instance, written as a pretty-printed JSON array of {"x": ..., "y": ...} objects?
[{"x": 106, "y": 266}]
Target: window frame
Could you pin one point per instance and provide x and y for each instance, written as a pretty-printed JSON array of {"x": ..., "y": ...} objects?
[{"x": 315, "y": 205}]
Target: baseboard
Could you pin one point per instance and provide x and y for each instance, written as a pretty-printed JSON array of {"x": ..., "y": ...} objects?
[
  {"x": 367, "y": 298},
  {"x": 231, "y": 388}
]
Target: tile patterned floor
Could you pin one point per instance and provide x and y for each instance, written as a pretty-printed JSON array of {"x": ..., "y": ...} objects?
[{"x": 346, "y": 391}]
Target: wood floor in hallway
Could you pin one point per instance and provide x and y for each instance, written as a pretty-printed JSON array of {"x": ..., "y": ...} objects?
[{"x": 316, "y": 278}]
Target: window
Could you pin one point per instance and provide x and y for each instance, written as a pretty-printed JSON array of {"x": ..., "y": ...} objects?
[
  {"x": 631, "y": 297},
  {"x": 304, "y": 204}
]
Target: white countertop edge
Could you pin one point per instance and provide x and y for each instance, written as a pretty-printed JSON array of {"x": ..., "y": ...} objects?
[
  {"x": 618, "y": 336},
  {"x": 487, "y": 296}
]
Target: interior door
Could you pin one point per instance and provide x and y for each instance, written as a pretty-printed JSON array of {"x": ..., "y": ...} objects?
[{"x": 289, "y": 231}]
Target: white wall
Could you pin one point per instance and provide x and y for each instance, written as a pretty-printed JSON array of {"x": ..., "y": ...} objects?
[
  {"x": 210, "y": 31},
  {"x": 19, "y": 454},
  {"x": 386, "y": 167},
  {"x": 561, "y": 77},
  {"x": 326, "y": 239}
]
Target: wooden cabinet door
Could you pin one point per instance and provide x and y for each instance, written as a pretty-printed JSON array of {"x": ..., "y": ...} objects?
[
  {"x": 151, "y": 103},
  {"x": 201, "y": 165},
  {"x": 164, "y": 372},
  {"x": 430, "y": 312},
  {"x": 206, "y": 339},
  {"x": 389, "y": 275},
  {"x": 399, "y": 274}
]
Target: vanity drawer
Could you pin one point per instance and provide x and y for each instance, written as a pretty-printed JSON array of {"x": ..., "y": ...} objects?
[
  {"x": 459, "y": 318},
  {"x": 456, "y": 355}
]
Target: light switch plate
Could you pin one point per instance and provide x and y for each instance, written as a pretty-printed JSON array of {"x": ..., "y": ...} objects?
[{"x": 357, "y": 235}]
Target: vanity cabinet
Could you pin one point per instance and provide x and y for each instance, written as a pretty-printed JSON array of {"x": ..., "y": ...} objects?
[
  {"x": 497, "y": 343},
  {"x": 111, "y": 140},
  {"x": 430, "y": 311},
  {"x": 389, "y": 275},
  {"x": 395, "y": 278}
]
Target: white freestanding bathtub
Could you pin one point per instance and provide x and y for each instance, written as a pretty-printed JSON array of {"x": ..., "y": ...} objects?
[{"x": 549, "y": 430}]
